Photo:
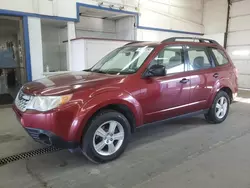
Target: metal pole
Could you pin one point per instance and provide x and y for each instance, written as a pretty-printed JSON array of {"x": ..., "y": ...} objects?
[{"x": 227, "y": 26}]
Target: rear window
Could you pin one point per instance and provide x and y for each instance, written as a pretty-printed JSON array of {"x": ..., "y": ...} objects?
[{"x": 220, "y": 56}]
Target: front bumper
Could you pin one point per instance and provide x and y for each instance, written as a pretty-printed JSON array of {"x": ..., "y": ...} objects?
[
  {"x": 57, "y": 127},
  {"x": 50, "y": 139}
]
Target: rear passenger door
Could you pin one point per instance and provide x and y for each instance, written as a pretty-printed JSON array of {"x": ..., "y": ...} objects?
[{"x": 201, "y": 70}]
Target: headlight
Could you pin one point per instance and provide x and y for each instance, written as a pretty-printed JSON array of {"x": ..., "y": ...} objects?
[{"x": 46, "y": 103}]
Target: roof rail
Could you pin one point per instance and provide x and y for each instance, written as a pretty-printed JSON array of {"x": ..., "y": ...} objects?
[
  {"x": 201, "y": 40},
  {"x": 134, "y": 42}
]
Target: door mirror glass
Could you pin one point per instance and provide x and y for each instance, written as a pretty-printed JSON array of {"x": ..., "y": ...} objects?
[{"x": 155, "y": 70}]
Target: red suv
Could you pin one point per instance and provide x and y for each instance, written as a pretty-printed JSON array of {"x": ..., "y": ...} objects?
[{"x": 140, "y": 83}]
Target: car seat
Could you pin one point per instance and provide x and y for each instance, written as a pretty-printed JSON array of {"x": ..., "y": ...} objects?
[{"x": 198, "y": 63}]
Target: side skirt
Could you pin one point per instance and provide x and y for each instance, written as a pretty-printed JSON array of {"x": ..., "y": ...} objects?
[{"x": 176, "y": 117}]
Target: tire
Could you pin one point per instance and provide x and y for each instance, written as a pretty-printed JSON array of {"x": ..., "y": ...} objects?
[
  {"x": 99, "y": 146},
  {"x": 213, "y": 115}
]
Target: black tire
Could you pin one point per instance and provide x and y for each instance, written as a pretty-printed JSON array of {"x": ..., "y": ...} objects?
[
  {"x": 211, "y": 116},
  {"x": 87, "y": 141}
]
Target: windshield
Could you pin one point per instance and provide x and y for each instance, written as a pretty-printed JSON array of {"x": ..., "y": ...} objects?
[{"x": 124, "y": 60}]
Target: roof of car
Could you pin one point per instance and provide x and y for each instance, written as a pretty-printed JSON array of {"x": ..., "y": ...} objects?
[
  {"x": 177, "y": 40},
  {"x": 143, "y": 43}
]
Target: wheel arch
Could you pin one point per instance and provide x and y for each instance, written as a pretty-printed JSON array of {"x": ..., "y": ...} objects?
[
  {"x": 124, "y": 104},
  {"x": 228, "y": 91},
  {"x": 122, "y": 108}
]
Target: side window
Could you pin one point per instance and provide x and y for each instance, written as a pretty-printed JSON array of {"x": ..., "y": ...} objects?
[
  {"x": 172, "y": 58},
  {"x": 198, "y": 58},
  {"x": 220, "y": 56}
]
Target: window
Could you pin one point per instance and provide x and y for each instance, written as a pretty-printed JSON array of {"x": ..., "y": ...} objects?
[
  {"x": 172, "y": 58},
  {"x": 220, "y": 56},
  {"x": 198, "y": 58},
  {"x": 124, "y": 60}
]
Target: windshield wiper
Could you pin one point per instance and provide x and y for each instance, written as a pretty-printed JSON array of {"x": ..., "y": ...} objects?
[
  {"x": 99, "y": 71},
  {"x": 112, "y": 71},
  {"x": 87, "y": 70}
]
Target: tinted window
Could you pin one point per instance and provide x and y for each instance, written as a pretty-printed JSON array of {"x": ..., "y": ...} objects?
[
  {"x": 220, "y": 56},
  {"x": 198, "y": 58},
  {"x": 172, "y": 58}
]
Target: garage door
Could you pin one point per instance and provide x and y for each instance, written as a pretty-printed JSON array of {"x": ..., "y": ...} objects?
[{"x": 238, "y": 44}]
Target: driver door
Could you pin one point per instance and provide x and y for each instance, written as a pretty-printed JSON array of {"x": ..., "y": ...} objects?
[{"x": 167, "y": 96}]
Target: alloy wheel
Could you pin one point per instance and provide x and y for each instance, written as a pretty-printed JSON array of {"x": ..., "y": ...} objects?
[
  {"x": 108, "y": 138},
  {"x": 221, "y": 107}
]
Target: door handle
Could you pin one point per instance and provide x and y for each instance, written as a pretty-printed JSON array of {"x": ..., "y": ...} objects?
[
  {"x": 184, "y": 80},
  {"x": 216, "y": 75}
]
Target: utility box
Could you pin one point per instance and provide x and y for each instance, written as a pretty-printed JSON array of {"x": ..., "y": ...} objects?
[{"x": 86, "y": 52}]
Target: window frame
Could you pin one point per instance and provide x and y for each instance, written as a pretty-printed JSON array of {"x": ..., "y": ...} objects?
[
  {"x": 183, "y": 58},
  {"x": 215, "y": 59},
  {"x": 207, "y": 52}
]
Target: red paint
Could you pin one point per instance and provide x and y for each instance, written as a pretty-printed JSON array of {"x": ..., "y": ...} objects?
[{"x": 149, "y": 99}]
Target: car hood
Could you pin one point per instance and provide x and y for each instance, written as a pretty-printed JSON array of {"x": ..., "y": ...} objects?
[{"x": 69, "y": 82}]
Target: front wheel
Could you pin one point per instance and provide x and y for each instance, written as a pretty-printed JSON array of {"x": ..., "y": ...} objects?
[
  {"x": 219, "y": 109},
  {"x": 106, "y": 137}
]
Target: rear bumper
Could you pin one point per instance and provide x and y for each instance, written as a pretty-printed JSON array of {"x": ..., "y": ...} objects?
[{"x": 50, "y": 139}]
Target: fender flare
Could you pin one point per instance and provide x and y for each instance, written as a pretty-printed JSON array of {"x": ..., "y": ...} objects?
[
  {"x": 101, "y": 101},
  {"x": 219, "y": 84}
]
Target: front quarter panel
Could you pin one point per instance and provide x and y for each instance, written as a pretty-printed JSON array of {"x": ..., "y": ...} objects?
[{"x": 101, "y": 100}]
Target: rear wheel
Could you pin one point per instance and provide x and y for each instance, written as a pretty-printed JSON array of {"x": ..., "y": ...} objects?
[
  {"x": 106, "y": 137},
  {"x": 219, "y": 109}
]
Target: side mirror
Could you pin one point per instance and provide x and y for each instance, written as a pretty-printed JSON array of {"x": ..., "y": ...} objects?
[{"x": 155, "y": 70}]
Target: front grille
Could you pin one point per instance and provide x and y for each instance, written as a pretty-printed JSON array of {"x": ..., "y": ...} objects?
[{"x": 22, "y": 101}]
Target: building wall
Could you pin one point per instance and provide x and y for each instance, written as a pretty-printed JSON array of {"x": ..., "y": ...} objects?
[
  {"x": 149, "y": 35},
  {"x": 238, "y": 44},
  {"x": 215, "y": 16},
  {"x": 157, "y": 20},
  {"x": 173, "y": 14},
  {"x": 122, "y": 29},
  {"x": 95, "y": 27},
  {"x": 125, "y": 29},
  {"x": 215, "y": 19}
]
